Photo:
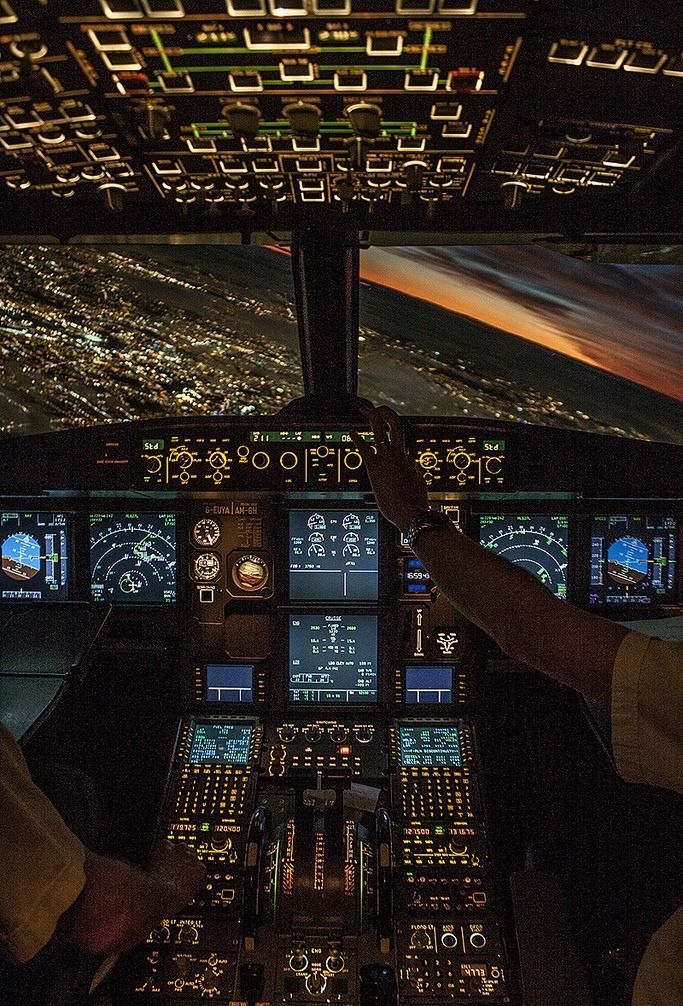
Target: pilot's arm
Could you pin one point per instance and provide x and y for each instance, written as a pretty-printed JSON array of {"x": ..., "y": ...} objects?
[
  {"x": 49, "y": 879},
  {"x": 526, "y": 620},
  {"x": 639, "y": 679}
]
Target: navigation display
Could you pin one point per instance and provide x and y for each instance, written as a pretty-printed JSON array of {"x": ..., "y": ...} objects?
[
  {"x": 229, "y": 682},
  {"x": 333, "y": 555},
  {"x": 333, "y": 658},
  {"x": 133, "y": 558},
  {"x": 633, "y": 560},
  {"x": 220, "y": 744},
  {"x": 538, "y": 543},
  {"x": 425, "y": 746},
  {"x": 428, "y": 683},
  {"x": 34, "y": 556}
]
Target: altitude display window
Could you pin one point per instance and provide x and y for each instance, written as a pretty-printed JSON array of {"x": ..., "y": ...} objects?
[
  {"x": 333, "y": 555},
  {"x": 34, "y": 556},
  {"x": 633, "y": 560},
  {"x": 133, "y": 558},
  {"x": 539, "y": 544},
  {"x": 220, "y": 744},
  {"x": 333, "y": 658}
]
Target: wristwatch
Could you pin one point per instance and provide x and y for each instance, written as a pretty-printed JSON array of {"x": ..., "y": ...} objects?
[{"x": 424, "y": 522}]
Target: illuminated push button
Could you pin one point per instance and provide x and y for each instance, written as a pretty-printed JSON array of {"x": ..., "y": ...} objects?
[
  {"x": 645, "y": 62},
  {"x": 566, "y": 51},
  {"x": 608, "y": 58}
]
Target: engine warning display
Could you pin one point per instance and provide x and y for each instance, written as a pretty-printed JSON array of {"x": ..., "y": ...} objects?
[
  {"x": 332, "y": 658},
  {"x": 633, "y": 560},
  {"x": 537, "y": 543},
  {"x": 430, "y": 745},
  {"x": 133, "y": 558},
  {"x": 34, "y": 556},
  {"x": 333, "y": 555}
]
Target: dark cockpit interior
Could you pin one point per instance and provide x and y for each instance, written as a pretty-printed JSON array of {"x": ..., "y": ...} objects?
[{"x": 208, "y": 614}]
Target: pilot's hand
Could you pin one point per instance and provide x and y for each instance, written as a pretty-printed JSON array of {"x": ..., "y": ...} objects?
[
  {"x": 178, "y": 866},
  {"x": 120, "y": 904},
  {"x": 396, "y": 480}
]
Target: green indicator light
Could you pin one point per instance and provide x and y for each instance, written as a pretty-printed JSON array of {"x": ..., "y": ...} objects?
[{"x": 204, "y": 826}]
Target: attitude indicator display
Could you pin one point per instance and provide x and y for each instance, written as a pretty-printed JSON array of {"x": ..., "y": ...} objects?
[
  {"x": 538, "y": 543},
  {"x": 333, "y": 555},
  {"x": 332, "y": 658},
  {"x": 34, "y": 556},
  {"x": 633, "y": 560},
  {"x": 133, "y": 558}
]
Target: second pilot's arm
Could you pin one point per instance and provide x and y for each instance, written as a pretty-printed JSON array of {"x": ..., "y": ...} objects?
[{"x": 527, "y": 621}]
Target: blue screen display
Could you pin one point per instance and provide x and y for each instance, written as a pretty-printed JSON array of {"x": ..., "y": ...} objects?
[
  {"x": 333, "y": 658},
  {"x": 425, "y": 684},
  {"x": 229, "y": 682}
]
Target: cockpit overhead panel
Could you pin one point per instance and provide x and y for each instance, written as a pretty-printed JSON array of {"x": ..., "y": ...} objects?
[{"x": 460, "y": 115}]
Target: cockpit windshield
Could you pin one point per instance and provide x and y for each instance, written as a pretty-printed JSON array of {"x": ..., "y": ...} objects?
[{"x": 94, "y": 335}]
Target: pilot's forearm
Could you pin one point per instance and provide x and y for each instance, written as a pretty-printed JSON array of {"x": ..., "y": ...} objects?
[{"x": 528, "y": 623}]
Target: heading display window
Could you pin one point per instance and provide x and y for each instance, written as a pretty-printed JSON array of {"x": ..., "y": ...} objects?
[
  {"x": 332, "y": 658},
  {"x": 333, "y": 555}
]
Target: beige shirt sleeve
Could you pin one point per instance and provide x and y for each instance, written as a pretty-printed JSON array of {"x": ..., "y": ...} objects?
[
  {"x": 41, "y": 860},
  {"x": 647, "y": 711}
]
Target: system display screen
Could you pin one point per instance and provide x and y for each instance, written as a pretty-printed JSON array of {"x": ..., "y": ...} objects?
[
  {"x": 538, "y": 543},
  {"x": 34, "y": 556},
  {"x": 229, "y": 682},
  {"x": 633, "y": 560},
  {"x": 333, "y": 658},
  {"x": 428, "y": 683},
  {"x": 428, "y": 746},
  {"x": 333, "y": 555},
  {"x": 133, "y": 558},
  {"x": 220, "y": 744}
]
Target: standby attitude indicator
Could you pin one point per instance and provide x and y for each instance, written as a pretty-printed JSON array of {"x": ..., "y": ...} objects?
[
  {"x": 133, "y": 558},
  {"x": 633, "y": 560},
  {"x": 537, "y": 543},
  {"x": 34, "y": 559}
]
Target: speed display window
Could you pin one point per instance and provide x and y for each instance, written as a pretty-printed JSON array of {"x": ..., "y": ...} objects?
[{"x": 133, "y": 558}]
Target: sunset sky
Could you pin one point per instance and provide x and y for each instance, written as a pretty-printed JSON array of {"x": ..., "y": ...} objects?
[{"x": 627, "y": 319}]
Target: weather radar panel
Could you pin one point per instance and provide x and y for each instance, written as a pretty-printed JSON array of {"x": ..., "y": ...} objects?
[
  {"x": 537, "y": 543},
  {"x": 34, "y": 556},
  {"x": 133, "y": 558},
  {"x": 633, "y": 560}
]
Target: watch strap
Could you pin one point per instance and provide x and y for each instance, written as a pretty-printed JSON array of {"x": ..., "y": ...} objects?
[{"x": 425, "y": 521}]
